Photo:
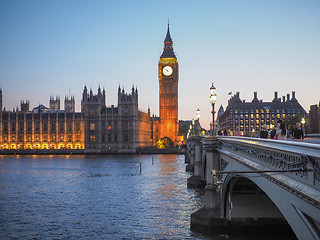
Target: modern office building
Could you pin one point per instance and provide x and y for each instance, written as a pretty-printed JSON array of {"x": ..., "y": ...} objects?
[{"x": 249, "y": 117}]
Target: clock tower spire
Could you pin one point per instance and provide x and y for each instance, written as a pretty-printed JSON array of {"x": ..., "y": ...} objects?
[
  {"x": 168, "y": 46},
  {"x": 168, "y": 70}
]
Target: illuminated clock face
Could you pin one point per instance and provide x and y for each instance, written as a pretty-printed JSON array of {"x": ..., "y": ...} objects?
[{"x": 167, "y": 70}]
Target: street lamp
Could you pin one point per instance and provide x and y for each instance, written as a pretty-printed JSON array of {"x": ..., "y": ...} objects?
[
  {"x": 213, "y": 99},
  {"x": 197, "y": 126},
  {"x": 193, "y": 128},
  {"x": 303, "y": 121}
]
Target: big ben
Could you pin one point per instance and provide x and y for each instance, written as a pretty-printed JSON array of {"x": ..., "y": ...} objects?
[{"x": 168, "y": 70}]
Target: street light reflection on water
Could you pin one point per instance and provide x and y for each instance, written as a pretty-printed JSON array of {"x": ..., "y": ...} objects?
[{"x": 96, "y": 197}]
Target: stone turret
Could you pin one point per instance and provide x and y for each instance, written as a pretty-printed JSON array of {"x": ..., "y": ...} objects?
[
  {"x": 94, "y": 102},
  {"x": 24, "y": 106},
  {"x": 93, "y": 107},
  {"x": 85, "y": 94},
  {"x": 124, "y": 97},
  {"x": 54, "y": 104},
  {"x": 69, "y": 104},
  {"x": 128, "y": 109}
]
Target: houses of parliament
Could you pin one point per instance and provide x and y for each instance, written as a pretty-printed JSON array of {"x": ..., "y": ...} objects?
[{"x": 98, "y": 127}]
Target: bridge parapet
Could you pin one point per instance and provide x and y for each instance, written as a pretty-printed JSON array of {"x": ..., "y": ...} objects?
[{"x": 278, "y": 155}]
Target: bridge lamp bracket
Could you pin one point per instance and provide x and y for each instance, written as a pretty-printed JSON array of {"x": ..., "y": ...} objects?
[{"x": 217, "y": 182}]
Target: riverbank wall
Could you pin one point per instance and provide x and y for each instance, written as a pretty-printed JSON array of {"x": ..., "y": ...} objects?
[{"x": 91, "y": 152}]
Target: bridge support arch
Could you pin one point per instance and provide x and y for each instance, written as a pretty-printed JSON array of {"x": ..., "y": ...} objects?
[
  {"x": 242, "y": 198},
  {"x": 248, "y": 209},
  {"x": 264, "y": 187}
]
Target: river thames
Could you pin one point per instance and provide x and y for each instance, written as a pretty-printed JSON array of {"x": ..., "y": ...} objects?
[
  {"x": 96, "y": 197},
  {"x": 99, "y": 197}
]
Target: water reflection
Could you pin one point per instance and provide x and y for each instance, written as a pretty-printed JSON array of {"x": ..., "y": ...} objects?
[
  {"x": 166, "y": 213},
  {"x": 96, "y": 197}
]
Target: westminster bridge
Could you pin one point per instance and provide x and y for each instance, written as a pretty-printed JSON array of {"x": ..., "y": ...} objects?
[{"x": 256, "y": 185}]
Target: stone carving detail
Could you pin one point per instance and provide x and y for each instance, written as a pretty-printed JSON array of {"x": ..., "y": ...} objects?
[{"x": 276, "y": 158}]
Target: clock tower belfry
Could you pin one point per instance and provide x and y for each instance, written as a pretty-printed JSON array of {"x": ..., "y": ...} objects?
[{"x": 168, "y": 70}]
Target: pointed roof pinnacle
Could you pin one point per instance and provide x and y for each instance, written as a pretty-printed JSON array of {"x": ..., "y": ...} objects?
[
  {"x": 168, "y": 49},
  {"x": 168, "y": 37}
]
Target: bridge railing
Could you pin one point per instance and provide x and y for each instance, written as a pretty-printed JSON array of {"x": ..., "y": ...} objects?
[{"x": 279, "y": 155}]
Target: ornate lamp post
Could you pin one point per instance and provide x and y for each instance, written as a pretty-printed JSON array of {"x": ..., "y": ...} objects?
[
  {"x": 213, "y": 99},
  {"x": 193, "y": 128},
  {"x": 198, "y": 128},
  {"x": 303, "y": 121}
]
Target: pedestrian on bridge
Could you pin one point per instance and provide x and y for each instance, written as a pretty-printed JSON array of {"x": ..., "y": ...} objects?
[
  {"x": 225, "y": 133},
  {"x": 282, "y": 132},
  {"x": 264, "y": 132},
  {"x": 237, "y": 132},
  {"x": 298, "y": 133},
  {"x": 273, "y": 133}
]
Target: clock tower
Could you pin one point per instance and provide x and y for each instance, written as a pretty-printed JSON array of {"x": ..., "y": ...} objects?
[{"x": 168, "y": 70}]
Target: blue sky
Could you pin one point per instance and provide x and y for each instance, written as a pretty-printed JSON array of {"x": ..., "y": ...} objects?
[{"x": 53, "y": 47}]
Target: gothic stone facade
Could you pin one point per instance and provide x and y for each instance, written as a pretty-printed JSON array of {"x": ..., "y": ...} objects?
[
  {"x": 98, "y": 128},
  {"x": 116, "y": 129},
  {"x": 41, "y": 128}
]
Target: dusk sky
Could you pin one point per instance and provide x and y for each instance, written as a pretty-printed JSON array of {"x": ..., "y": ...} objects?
[{"x": 56, "y": 47}]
